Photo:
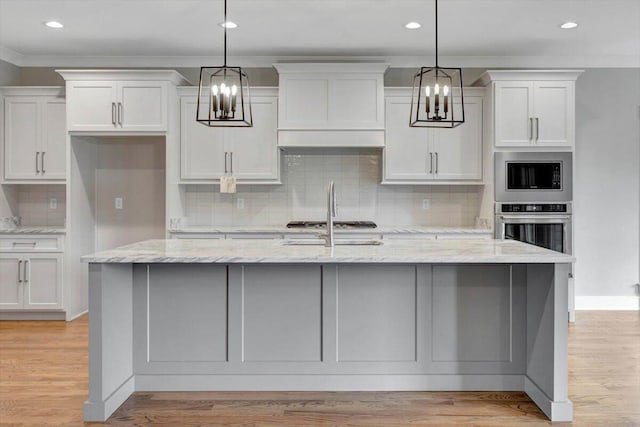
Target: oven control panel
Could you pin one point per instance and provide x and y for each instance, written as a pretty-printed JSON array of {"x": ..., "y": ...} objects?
[{"x": 534, "y": 207}]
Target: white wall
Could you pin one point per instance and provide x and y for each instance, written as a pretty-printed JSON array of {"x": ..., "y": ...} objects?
[
  {"x": 607, "y": 188},
  {"x": 131, "y": 168},
  {"x": 9, "y": 74}
]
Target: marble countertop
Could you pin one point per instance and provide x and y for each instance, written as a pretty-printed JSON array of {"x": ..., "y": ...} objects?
[
  {"x": 33, "y": 230},
  {"x": 274, "y": 251},
  {"x": 409, "y": 229}
]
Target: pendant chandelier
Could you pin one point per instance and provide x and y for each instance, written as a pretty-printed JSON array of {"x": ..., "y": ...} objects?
[
  {"x": 437, "y": 99},
  {"x": 224, "y": 98}
]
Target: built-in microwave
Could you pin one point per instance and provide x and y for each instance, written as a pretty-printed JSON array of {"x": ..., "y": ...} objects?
[{"x": 533, "y": 177}]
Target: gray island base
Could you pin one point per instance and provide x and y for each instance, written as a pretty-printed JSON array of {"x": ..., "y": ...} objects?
[{"x": 188, "y": 315}]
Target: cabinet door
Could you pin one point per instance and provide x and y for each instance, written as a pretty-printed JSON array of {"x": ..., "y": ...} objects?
[
  {"x": 43, "y": 282},
  {"x": 406, "y": 153},
  {"x": 553, "y": 113},
  {"x": 21, "y": 137},
  {"x": 10, "y": 289},
  {"x": 53, "y": 163},
  {"x": 459, "y": 150},
  {"x": 202, "y": 148},
  {"x": 513, "y": 113},
  {"x": 255, "y": 149},
  {"x": 91, "y": 106},
  {"x": 142, "y": 106}
]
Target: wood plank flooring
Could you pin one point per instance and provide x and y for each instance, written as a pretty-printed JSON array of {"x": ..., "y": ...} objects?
[{"x": 43, "y": 382}]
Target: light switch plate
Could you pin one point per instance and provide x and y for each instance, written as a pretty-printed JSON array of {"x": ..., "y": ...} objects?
[
  {"x": 53, "y": 203},
  {"x": 240, "y": 203},
  {"x": 426, "y": 204},
  {"x": 118, "y": 202}
]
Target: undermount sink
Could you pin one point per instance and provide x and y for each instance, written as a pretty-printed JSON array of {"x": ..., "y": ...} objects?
[{"x": 338, "y": 242}]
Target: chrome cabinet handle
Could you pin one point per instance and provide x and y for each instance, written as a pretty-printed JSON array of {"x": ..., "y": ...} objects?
[
  {"x": 26, "y": 279},
  {"x": 226, "y": 154},
  {"x": 530, "y": 129},
  {"x": 113, "y": 113},
  {"x": 37, "y": 170},
  {"x": 537, "y": 129},
  {"x": 430, "y": 162},
  {"x": 436, "y": 162},
  {"x": 120, "y": 113},
  {"x": 19, "y": 269},
  {"x": 231, "y": 161},
  {"x": 42, "y": 162}
]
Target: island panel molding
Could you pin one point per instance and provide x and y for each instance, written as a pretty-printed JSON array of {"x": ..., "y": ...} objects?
[{"x": 472, "y": 325}]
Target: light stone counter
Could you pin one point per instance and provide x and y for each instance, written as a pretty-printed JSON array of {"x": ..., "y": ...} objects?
[
  {"x": 33, "y": 230},
  {"x": 274, "y": 251},
  {"x": 408, "y": 229}
]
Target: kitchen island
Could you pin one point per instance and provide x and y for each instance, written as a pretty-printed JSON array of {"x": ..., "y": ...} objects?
[{"x": 192, "y": 315}]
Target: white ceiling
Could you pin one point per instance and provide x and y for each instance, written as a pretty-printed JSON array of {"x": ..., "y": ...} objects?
[{"x": 185, "y": 33}]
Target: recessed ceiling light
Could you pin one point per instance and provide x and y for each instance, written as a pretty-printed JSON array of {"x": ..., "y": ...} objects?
[
  {"x": 412, "y": 26},
  {"x": 53, "y": 24},
  {"x": 568, "y": 25},
  {"x": 229, "y": 24}
]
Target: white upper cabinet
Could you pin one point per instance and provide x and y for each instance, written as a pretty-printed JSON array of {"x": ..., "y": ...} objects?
[
  {"x": 458, "y": 151},
  {"x": 318, "y": 102},
  {"x": 118, "y": 100},
  {"x": 254, "y": 153},
  {"x": 250, "y": 154},
  {"x": 533, "y": 108},
  {"x": 553, "y": 112},
  {"x": 406, "y": 153},
  {"x": 34, "y": 134},
  {"x": 202, "y": 148},
  {"x": 429, "y": 155}
]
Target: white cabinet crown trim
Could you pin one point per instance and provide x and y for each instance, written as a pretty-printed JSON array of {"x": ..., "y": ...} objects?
[
  {"x": 525, "y": 75},
  {"x": 331, "y": 67},
  {"x": 141, "y": 75}
]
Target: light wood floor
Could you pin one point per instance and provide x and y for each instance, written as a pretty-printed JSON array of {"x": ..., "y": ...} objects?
[{"x": 43, "y": 382}]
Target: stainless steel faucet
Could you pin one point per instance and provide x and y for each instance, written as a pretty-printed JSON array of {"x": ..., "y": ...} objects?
[{"x": 331, "y": 213}]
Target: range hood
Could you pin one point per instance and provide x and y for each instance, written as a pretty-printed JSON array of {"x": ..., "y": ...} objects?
[{"x": 331, "y": 104}]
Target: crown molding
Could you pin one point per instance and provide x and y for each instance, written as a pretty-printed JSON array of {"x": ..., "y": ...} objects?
[
  {"x": 11, "y": 56},
  {"x": 531, "y": 62}
]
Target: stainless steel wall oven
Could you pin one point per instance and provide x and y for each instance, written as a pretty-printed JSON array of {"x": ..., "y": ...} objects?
[{"x": 542, "y": 224}]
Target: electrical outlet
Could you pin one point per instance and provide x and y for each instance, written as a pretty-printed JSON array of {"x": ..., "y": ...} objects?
[
  {"x": 53, "y": 203},
  {"x": 240, "y": 203},
  {"x": 426, "y": 204},
  {"x": 118, "y": 202}
]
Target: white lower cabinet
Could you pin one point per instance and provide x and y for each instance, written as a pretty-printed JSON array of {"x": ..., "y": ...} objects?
[
  {"x": 250, "y": 154},
  {"x": 428, "y": 155},
  {"x": 30, "y": 281}
]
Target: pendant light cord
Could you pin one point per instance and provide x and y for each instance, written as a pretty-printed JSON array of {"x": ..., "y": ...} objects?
[
  {"x": 436, "y": 32},
  {"x": 225, "y": 32}
]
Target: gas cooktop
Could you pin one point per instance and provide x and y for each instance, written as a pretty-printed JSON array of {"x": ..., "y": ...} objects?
[{"x": 337, "y": 224}]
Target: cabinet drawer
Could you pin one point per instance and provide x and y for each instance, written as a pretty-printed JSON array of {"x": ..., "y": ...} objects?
[
  {"x": 203, "y": 235},
  {"x": 30, "y": 243}
]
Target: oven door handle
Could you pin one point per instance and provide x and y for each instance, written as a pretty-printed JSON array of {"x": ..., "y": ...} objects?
[{"x": 536, "y": 219}]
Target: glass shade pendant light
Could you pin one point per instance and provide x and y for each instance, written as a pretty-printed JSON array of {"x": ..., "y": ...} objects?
[
  {"x": 224, "y": 98},
  {"x": 437, "y": 100}
]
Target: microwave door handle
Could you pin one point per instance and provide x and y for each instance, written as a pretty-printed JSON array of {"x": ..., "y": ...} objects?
[{"x": 537, "y": 219}]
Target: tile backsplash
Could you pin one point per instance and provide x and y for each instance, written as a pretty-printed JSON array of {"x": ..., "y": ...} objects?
[
  {"x": 303, "y": 195},
  {"x": 33, "y": 205}
]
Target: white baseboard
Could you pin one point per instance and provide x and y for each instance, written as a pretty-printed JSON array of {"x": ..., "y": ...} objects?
[{"x": 607, "y": 303}]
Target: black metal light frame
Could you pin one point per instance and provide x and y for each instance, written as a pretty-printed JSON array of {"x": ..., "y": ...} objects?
[
  {"x": 211, "y": 110},
  {"x": 444, "y": 115}
]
